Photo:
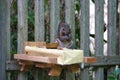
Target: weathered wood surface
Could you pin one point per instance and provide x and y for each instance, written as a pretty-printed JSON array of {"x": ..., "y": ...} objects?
[
  {"x": 39, "y": 20},
  {"x": 8, "y": 55},
  {"x": 70, "y": 19},
  {"x": 70, "y": 16},
  {"x": 105, "y": 61},
  {"x": 22, "y": 30},
  {"x": 54, "y": 19},
  {"x": 101, "y": 61},
  {"x": 112, "y": 27},
  {"x": 111, "y": 31},
  {"x": 39, "y": 31},
  {"x": 99, "y": 29},
  {"x": 43, "y": 51},
  {"x": 12, "y": 65},
  {"x": 84, "y": 31},
  {"x": 35, "y": 58},
  {"x": 4, "y": 26}
]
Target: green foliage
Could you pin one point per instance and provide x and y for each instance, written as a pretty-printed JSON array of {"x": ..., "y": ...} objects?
[{"x": 115, "y": 75}]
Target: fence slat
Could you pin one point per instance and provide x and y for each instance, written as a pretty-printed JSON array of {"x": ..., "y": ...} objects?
[
  {"x": 4, "y": 22},
  {"x": 70, "y": 16},
  {"x": 111, "y": 27},
  {"x": 119, "y": 26},
  {"x": 84, "y": 27},
  {"x": 54, "y": 19},
  {"x": 99, "y": 29},
  {"x": 111, "y": 31},
  {"x": 39, "y": 20},
  {"x": 22, "y": 31},
  {"x": 8, "y": 56},
  {"x": 84, "y": 31},
  {"x": 39, "y": 32},
  {"x": 70, "y": 19}
]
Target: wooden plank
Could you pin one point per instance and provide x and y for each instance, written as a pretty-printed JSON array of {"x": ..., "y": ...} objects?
[
  {"x": 39, "y": 20},
  {"x": 99, "y": 29},
  {"x": 22, "y": 25},
  {"x": 8, "y": 54},
  {"x": 4, "y": 22},
  {"x": 37, "y": 44},
  {"x": 12, "y": 65},
  {"x": 112, "y": 8},
  {"x": 84, "y": 31},
  {"x": 90, "y": 59},
  {"x": 35, "y": 58},
  {"x": 39, "y": 32},
  {"x": 102, "y": 61},
  {"x": 112, "y": 27},
  {"x": 55, "y": 70},
  {"x": 84, "y": 27},
  {"x": 70, "y": 16},
  {"x": 119, "y": 29},
  {"x": 54, "y": 19},
  {"x": 43, "y": 51},
  {"x": 22, "y": 31}
]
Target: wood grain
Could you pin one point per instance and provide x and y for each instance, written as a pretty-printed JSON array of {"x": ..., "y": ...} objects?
[{"x": 35, "y": 58}]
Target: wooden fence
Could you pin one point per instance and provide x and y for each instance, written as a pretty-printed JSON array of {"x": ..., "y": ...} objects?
[{"x": 7, "y": 66}]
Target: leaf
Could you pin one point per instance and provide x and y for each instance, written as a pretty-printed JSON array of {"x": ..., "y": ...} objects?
[{"x": 112, "y": 77}]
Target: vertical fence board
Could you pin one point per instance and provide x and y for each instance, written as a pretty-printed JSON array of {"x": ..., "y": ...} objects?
[
  {"x": 3, "y": 34},
  {"x": 84, "y": 27},
  {"x": 84, "y": 33},
  {"x": 8, "y": 56},
  {"x": 70, "y": 19},
  {"x": 54, "y": 19},
  {"x": 70, "y": 16},
  {"x": 99, "y": 29},
  {"x": 39, "y": 32},
  {"x": 111, "y": 31},
  {"x": 119, "y": 26},
  {"x": 54, "y": 22},
  {"x": 39, "y": 20},
  {"x": 111, "y": 27},
  {"x": 22, "y": 30}
]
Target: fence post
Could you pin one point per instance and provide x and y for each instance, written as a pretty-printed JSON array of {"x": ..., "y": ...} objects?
[
  {"x": 54, "y": 19},
  {"x": 22, "y": 31},
  {"x": 39, "y": 32},
  {"x": 99, "y": 29},
  {"x": 84, "y": 34},
  {"x": 8, "y": 54},
  {"x": 70, "y": 19},
  {"x": 39, "y": 20},
  {"x": 119, "y": 26},
  {"x": 70, "y": 16},
  {"x": 4, "y": 22},
  {"x": 111, "y": 30}
]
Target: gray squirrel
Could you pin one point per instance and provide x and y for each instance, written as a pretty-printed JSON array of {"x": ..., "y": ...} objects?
[{"x": 64, "y": 38}]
